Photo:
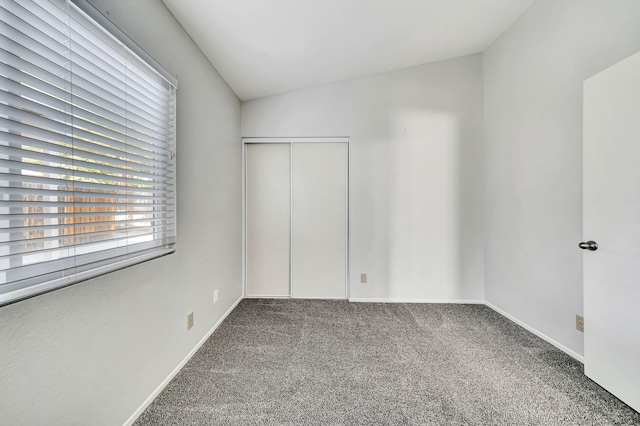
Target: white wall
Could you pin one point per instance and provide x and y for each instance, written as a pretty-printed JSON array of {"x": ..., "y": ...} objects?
[
  {"x": 416, "y": 173},
  {"x": 533, "y": 77},
  {"x": 90, "y": 354}
]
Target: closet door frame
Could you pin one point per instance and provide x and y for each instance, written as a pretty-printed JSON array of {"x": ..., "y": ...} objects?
[{"x": 291, "y": 140}]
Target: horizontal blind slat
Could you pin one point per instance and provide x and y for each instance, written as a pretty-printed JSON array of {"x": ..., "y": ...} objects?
[
  {"x": 73, "y": 43},
  {"x": 73, "y": 241},
  {"x": 18, "y": 239},
  {"x": 51, "y": 94},
  {"x": 69, "y": 227},
  {"x": 57, "y": 138},
  {"x": 96, "y": 141},
  {"x": 97, "y": 39},
  {"x": 42, "y": 31},
  {"x": 72, "y": 116},
  {"x": 71, "y": 176},
  {"x": 7, "y": 192},
  {"x": 66, "y": 216},
  {"x": 50, "y": 153},
  {"x": 81, "y": 206},
  {"x": 16, "y": 69},
  {"x": 73, "y": 121}
]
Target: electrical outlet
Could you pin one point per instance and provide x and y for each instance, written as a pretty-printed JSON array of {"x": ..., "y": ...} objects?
[
  {"x": 190, "y": 321},
  {"x": 215, "y": 296},
  {"x": 363, "y": 278},
  {"x": 580, "y": 323}
]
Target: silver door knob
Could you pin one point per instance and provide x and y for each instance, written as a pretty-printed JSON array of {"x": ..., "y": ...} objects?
[{"x": 589, "y": 245}]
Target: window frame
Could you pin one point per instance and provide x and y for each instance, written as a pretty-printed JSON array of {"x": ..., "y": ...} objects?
[{"x": 20, "y": 289}]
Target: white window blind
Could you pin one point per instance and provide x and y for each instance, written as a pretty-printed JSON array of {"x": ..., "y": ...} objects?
[{"x": 87, "y": 142}]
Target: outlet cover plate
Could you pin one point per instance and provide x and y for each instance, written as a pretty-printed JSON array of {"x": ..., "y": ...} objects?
[
  {"x": 580, "y": 323},
  {"x": 190, "y": 321}
]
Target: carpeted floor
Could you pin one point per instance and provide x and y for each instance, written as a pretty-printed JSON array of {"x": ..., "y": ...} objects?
[{"x": 296, "y": 362}]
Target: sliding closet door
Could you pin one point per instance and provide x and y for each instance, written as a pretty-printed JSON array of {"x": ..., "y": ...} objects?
[
  {"x": 319, "y": 220},
  {"x": 268, "y": 207}
]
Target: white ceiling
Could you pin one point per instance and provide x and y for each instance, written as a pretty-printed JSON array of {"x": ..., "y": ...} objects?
[{"x": 265, "y": 47}]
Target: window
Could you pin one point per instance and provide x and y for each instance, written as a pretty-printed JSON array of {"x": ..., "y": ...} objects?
[{"x": 87, "y": 142}]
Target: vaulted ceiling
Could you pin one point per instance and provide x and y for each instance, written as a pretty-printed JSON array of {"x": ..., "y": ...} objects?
[{"x": 265, "y": 47}]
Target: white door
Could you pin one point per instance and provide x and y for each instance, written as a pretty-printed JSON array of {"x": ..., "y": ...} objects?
[
  {"x": 319, "y": 221},
  {"x": 612, "y": 219},
  {"x": 296, "y": 219},
  {"x": 268, "y": 207}
]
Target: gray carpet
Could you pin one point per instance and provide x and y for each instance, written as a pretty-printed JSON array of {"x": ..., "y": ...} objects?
[{"x": 294, "y": 362}]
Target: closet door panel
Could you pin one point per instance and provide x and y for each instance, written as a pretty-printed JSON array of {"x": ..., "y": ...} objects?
[
  {"x": 319, "y": 220},
  {"x": 268, "y": 207}
]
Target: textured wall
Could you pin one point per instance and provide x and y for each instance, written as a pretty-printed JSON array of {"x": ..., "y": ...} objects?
[
  {"x": 91, "y": 354},
  {"x": 533, "y": 78},
  {"x": 415, "y": 170}
]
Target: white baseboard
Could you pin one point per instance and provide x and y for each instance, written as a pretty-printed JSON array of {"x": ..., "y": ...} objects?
[
  {"x": 399, "y": 300},
  {"x": 262, "y": 296},
  {"x": 320, "y": 298},
  {"x": 537, "y": 333},
  {"x": 176, "y": 370},
  {"x": 271, "y": 296}
]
